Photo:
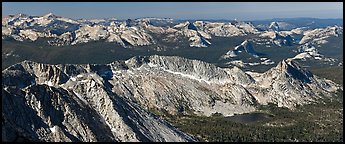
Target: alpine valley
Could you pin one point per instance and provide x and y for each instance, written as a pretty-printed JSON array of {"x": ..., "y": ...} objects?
[{"x": 160, "y": 79}]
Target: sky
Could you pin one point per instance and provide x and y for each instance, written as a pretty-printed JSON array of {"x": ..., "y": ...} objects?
[{"x": 178, "y": 10}]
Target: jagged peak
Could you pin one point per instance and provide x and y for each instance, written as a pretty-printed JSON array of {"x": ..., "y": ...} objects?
[
  {"x": 274, "y": 23},
  {"x": 274, "y": 26},
  {"x": 283, "y": 64},
  {"x": 182, "y": 25},
  {"x": 50, "y": 15},
  {"x": 290, "y": 67}
]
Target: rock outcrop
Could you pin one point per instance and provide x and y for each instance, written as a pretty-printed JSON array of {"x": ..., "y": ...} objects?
[{"x": 113, "y": 102}]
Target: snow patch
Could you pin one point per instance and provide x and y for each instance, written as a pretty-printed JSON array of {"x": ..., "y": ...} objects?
[
  {"x": 111, "y": 127},
  {"x": 53, "y": 129},
  {"x": 186, "y": 75},
  {"x": 80, "y": 97},
  {"x": 49, "y": 83},
  {"x": 152, "y": 65}
]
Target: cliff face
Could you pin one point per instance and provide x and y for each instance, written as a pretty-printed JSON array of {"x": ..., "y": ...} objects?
[{"x": 43, "y": 102}]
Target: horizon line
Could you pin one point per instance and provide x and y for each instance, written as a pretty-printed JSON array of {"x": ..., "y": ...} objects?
[{"x": 177, "y": 18}]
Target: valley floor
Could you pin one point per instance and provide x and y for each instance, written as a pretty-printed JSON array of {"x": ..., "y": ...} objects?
[{"x": 321, "y": 122}]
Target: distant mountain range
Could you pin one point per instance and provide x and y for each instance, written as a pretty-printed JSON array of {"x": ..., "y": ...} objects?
[
  {"x": 301, "y": 22},
  {"x": 65, "y": 31},
  {"x": 164, "y": 34}
]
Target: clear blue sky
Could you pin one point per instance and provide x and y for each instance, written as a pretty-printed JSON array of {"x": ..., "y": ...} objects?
[{"x": 178, "y": 10}]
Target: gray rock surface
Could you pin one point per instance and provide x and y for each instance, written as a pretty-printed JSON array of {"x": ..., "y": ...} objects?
[{"x": 112, "y": 102}]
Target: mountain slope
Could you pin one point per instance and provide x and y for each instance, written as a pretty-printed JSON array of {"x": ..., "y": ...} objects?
[
  {"x": 245, "y": 46},
  {"x": 54, "y": 112},
  {"x": 111, "y": 102}
]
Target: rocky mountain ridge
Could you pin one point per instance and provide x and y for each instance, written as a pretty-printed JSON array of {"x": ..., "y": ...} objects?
[{"x": 112, "y": 102}]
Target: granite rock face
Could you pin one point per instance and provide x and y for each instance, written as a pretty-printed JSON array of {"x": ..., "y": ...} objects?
[
  {"x": 113, "y": 102},
  {"x": 61, "y": 31},
  {"x": 130, "y": 33}
]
